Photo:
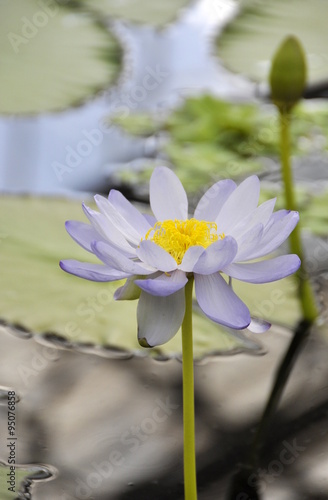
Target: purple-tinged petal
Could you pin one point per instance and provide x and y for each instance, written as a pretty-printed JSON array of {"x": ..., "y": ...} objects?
[
  {"x": 212, "y": 201},
  {"x": 216, "y": 256},
  {"x": 249, "y": 242},
  {"x": 130, "y": 213},
  {"x": 150, "y": 219},
  {"x": 260, "y": 215},
  {"x": 190, "y": 258},
  {"x": 155, "y": 256},
  {"x": 264, "y": 271},
  {"x": 159, "y": 318},
  {"x": 240, "y": 203},
  {"x": 92, "y": 272},
  {"x": 219, "y": 302},
  {"x": 82, "y": 233},
  {"x": 275, "y": 218},
  {"x": 258, "y": 325},
  {"x": 163, "y": 285},
  {"x": 129, "y": 291},
  {"x": 115, "y": 259},
  {"x": 275, "y": 234},
  {"x": 168, "y": 199},
  {"x": 130, "y": 233},
  {"x": 279, "y": 215},
  {"x": 108, "y": 231}
]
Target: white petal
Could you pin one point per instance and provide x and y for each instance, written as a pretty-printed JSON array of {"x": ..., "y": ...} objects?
[
  {"x": 258, "y": 325},
  {"x": 219, "y": 302},
  {"x": 279, "y": 215},
  {"x": 249, "y": 242},
  {"x": 264, "y": 271},
  {"x": 212, "y": 201},
  {"x": 168, "y": 199},
  {"x": 82, "y": 233},
  {"x": 216, "y": 256},
  {"x": 260, "y": 215},
  {"x": 108, "y": 231},
  {"x": 155, "y": 256},
  {"x": 163, "y": 285},
  {"x": 150, "y": 219},
  {"x": 240, "y": 203},
  {"x": 190, "y": 258},
  {"x": 159, "y": 318},
  {"x": 275, "y": 233},
  {"x": 116, "y": 219},
  {"x": 112, "y": 257},
  {"x": 129, "y": 212}
]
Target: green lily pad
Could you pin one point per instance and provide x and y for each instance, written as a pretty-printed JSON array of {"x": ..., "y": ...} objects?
[
  {"x": 207, "y": 139},
  {"x": 38, "y": 295},
  {"x": 7, "y": 494},
  {"x": 138, "y": 124},
  {"x": 140, "y": 11},
  {"x": 52, "y": 57},
  {"x": 248, "y": 43}
]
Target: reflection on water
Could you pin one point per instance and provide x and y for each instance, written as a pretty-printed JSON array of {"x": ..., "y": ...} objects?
[
  {"x": 113, "y": 429},
  {"x": 75, "y": 149}
]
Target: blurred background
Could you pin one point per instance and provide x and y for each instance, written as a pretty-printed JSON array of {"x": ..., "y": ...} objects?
[{"x": 93, "y": 95}]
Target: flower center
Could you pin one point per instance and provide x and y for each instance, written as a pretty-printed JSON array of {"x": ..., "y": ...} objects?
[{"x": 176, "y": 236}]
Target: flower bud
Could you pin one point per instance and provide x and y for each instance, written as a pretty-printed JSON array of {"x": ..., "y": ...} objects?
[{"x": 288, "y": 74}]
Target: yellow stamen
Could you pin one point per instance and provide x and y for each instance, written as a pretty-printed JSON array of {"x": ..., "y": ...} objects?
[{"x": 176, "y": 236}]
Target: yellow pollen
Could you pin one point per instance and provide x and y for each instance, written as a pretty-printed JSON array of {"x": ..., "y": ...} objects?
[{"x": 176, "y": 236}]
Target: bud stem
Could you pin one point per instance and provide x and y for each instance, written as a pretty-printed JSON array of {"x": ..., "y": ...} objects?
[{"x": 308, "y": 304}]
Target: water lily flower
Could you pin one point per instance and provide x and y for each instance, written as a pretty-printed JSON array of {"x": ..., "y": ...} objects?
[{"x": 158, "y": 254}]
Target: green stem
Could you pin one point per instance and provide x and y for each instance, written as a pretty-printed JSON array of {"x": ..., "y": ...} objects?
[
  {"x": 241, "y": 483},
  {"x": 308, "y": 304},
  {"x": 300, "y": 336},
  {"x": 189, "y": 455}
]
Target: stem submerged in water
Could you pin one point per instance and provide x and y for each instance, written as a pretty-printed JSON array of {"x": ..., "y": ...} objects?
[{"x": 189, "y": 455}]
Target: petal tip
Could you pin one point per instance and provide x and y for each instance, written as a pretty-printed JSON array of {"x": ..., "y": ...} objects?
[
  {"x": 258, "y": 325},
  {"x": 62, "y": 265},
  {"x": 65, "y": 266},
  {"x": 298, "y": 263},
  {"x": 143, "y": 342}
]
